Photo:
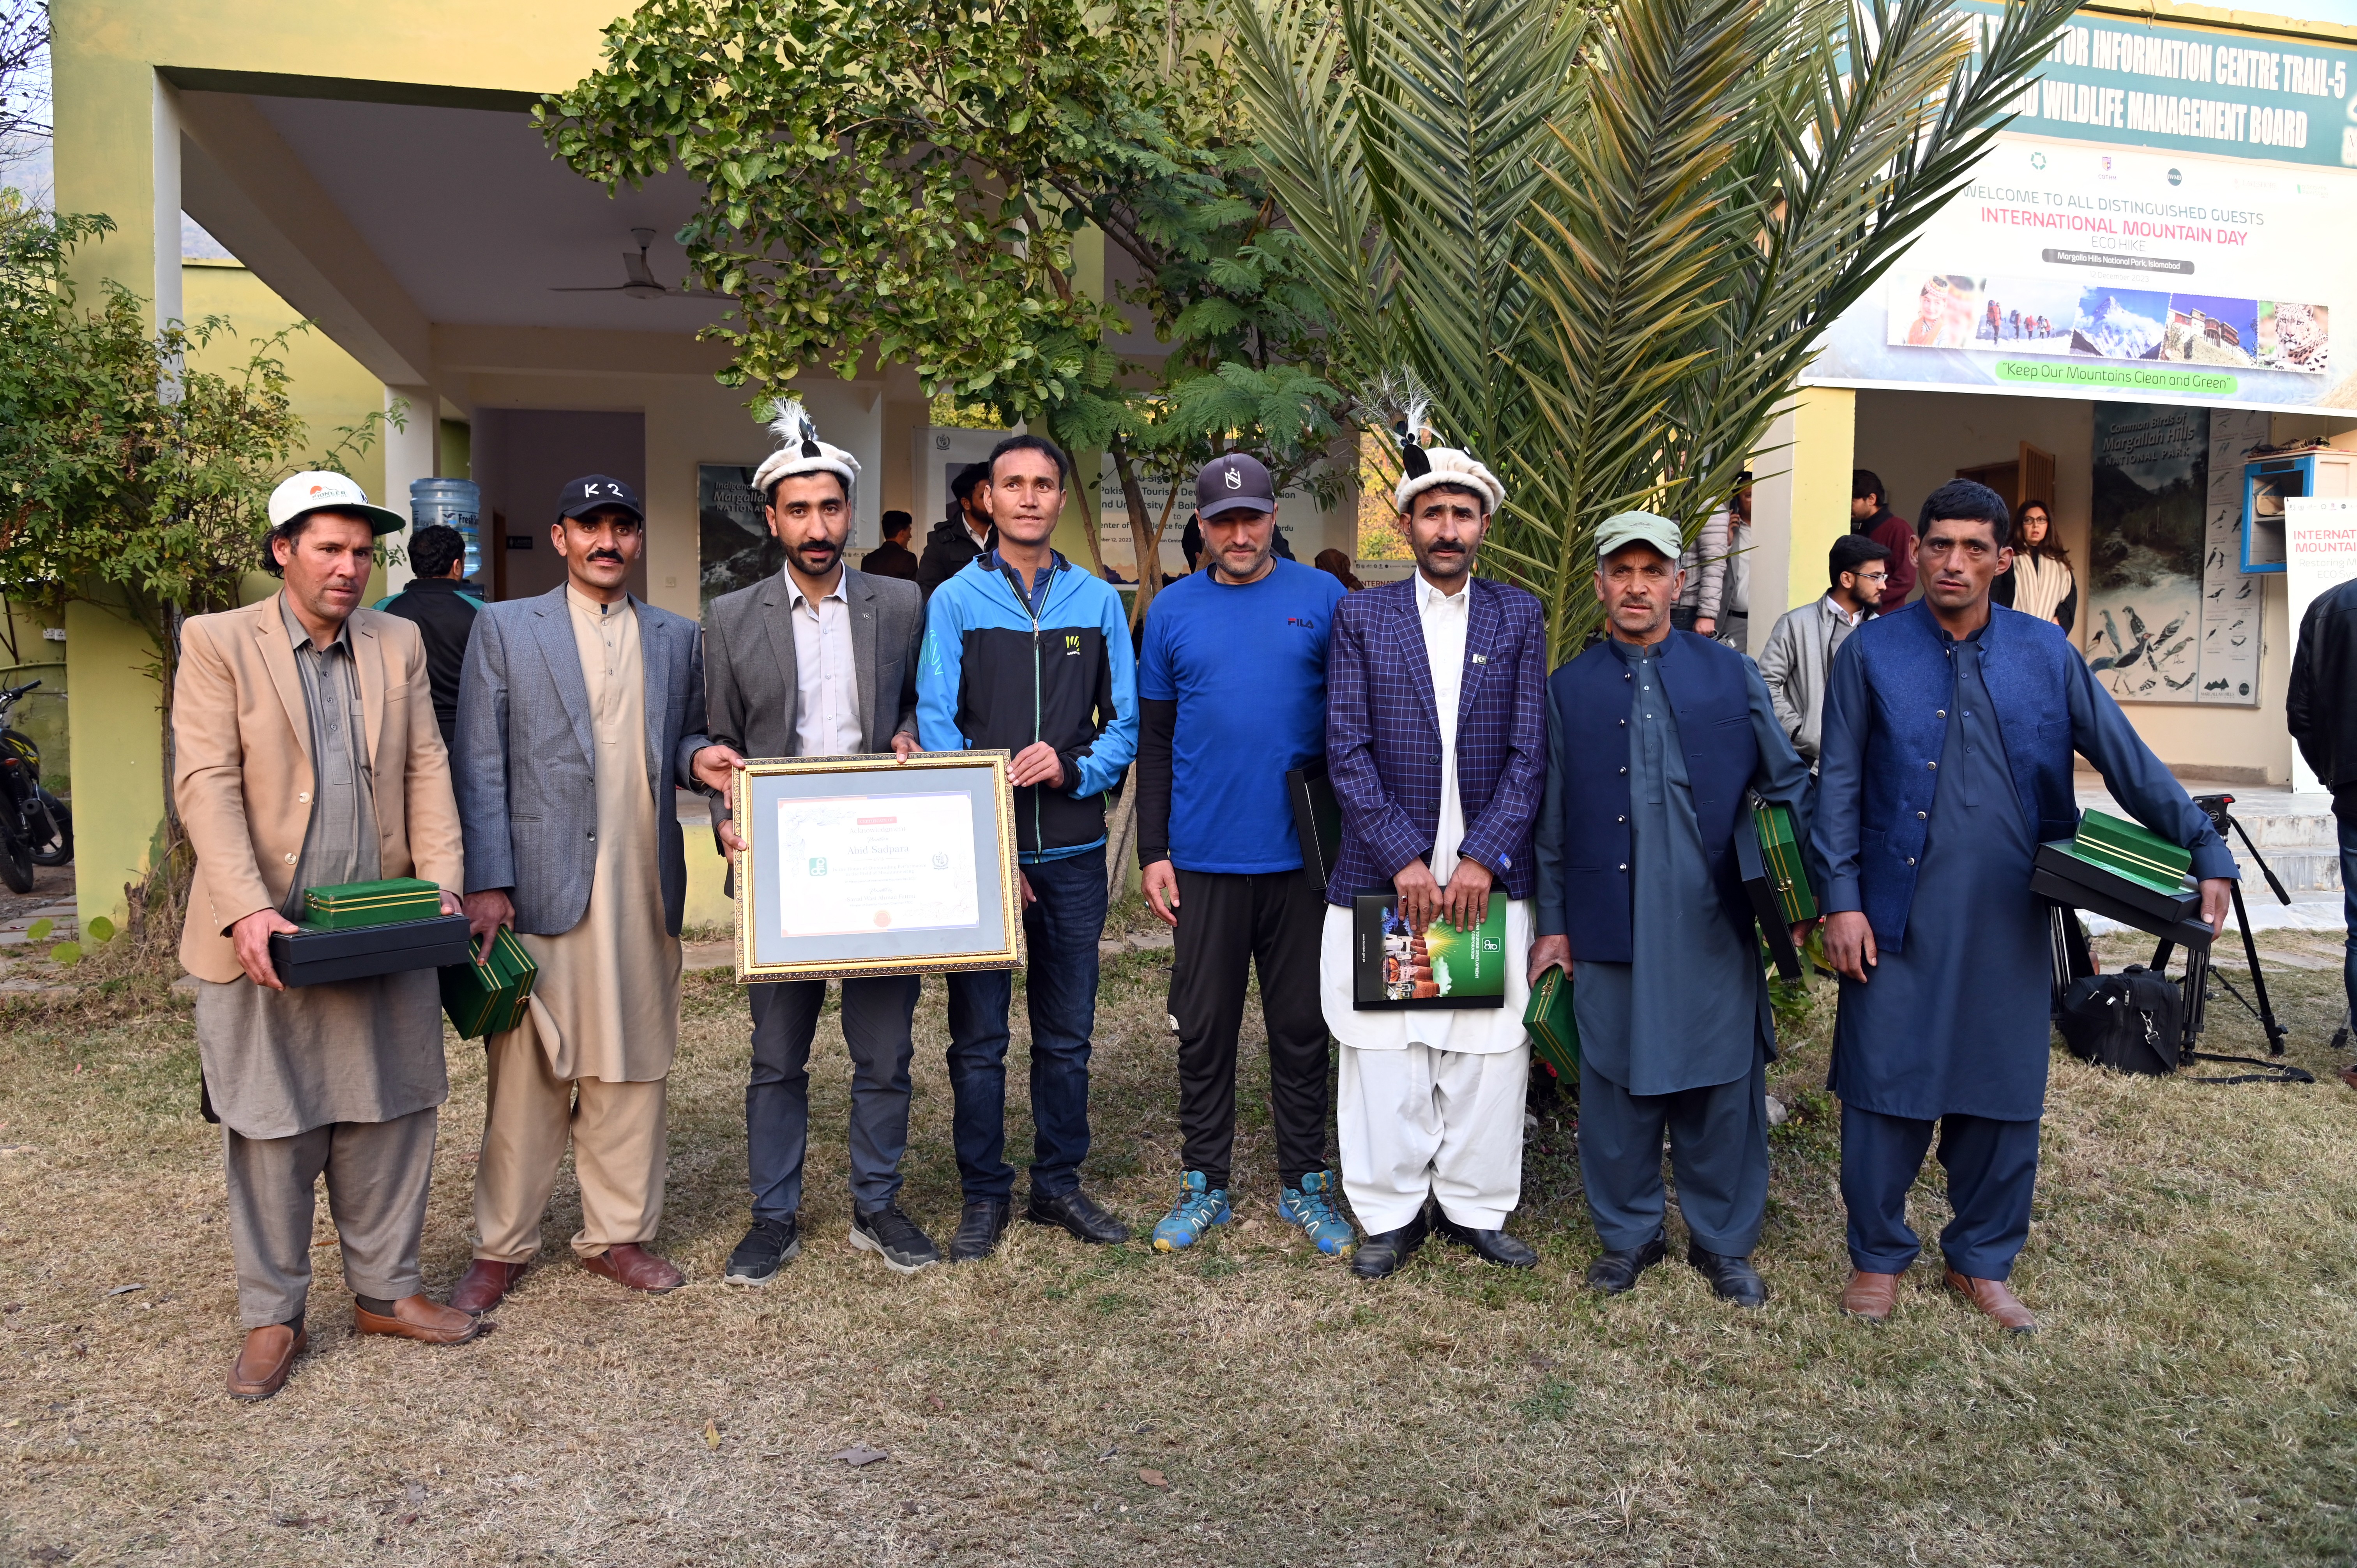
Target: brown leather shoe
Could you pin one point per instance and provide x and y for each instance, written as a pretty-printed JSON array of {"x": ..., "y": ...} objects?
[
  {"x": 1870, "y": 1296},
  {"x": 422, "y": 1318},
  {"x": 265, "y": 1359},
  {"x": 1992, "y": 1297},
  {"x": 632, "y": 1265},
  {"x": 485, "y": 1284}
]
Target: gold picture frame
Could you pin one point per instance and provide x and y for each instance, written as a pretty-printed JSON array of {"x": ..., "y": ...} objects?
[{"x": 856, "y": 796}]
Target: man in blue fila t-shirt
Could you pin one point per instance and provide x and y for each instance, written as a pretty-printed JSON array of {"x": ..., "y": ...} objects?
[{"x": 1232, "y": 694}]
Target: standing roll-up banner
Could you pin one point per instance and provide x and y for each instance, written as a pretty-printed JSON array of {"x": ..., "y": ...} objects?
[{"x": 2319, "y": 554}]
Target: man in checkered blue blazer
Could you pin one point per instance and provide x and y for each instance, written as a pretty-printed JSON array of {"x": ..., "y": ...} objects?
[{"x": 1436, "y": 743}]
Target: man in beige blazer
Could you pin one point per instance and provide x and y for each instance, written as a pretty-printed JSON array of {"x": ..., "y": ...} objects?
[{"x": 306, "y": 753}]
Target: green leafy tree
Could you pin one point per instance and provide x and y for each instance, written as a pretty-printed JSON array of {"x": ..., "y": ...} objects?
[
  {"x": 129, "y": 479},
  {"x": 1602, "y": 242},
  {"x": 906, "y": 182}
]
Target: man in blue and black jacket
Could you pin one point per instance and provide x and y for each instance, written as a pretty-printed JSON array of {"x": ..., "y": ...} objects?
[{"x": 1024, "y": 652}]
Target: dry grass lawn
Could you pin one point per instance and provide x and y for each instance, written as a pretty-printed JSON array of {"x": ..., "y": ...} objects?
[{"x": 2189, "y": 1400}]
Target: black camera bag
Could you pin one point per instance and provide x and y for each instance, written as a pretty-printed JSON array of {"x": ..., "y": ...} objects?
[{"x": 2130, "y": 1022}]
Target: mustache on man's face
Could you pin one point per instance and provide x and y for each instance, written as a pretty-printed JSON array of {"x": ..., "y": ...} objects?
[{"x": 613, "y": 555}]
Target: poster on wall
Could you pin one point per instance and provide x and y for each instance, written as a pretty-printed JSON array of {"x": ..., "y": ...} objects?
[
  {"x": 2231, "y": 599},
  {"x": 2146, "y": 539},
  {"x": 2319, "y": 554},
  {"x": 734, "y": 546}
]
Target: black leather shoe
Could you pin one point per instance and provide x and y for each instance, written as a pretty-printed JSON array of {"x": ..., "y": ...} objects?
[
  {"x": 1490, "y": 1246},
  {"x": 1731, "y": 1279},
  {"x": 980, "y": 1225},
  {"x": 1616, "y": 1272},
  {"x": 1077, "y": 1212},
  {"x": 1381, "y": 1255}
]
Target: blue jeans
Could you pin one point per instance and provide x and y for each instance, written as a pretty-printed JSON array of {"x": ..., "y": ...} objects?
[{"x": 1060, "y": 928}]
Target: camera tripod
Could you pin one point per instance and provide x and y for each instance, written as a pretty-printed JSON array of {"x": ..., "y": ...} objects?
[{"x": 2073, "y": 959}]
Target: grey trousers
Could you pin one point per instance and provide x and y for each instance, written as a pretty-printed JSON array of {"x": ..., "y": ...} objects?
[
  {"x": 1718, "y": 1146},
  {"x": 875, "y": 1014},
  {"x": 377, "y": 1174}
]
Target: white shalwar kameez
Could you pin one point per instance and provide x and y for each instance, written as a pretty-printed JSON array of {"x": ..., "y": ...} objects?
[{"x": 1429, "y": 1100}]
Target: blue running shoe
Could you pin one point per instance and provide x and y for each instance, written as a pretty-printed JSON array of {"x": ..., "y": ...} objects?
[
  {"x": 1310, "y": 1205},
  {"x": 1199, "y": 1209}
]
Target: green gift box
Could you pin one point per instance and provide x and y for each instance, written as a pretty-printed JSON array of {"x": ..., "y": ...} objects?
[
  {"x": 2133, "y": 851},
  {"x": 348, "y": 905},
  {"x": 1780, "y": 847},
  {"x": 1551, "y": 1026},
  {"x": 490, "y": 998}
]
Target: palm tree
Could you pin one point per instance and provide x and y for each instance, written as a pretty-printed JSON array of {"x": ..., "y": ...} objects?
[{"x": 1603, "y": 242}]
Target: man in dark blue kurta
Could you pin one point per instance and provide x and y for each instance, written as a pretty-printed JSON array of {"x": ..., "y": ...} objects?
[
  {"x": 1948, "y": 728},
  {"x": 1654, "y": 738}
]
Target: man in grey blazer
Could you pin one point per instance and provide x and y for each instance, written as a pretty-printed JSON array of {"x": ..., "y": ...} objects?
[
  {"x": 818, "y": 661},
  {"x": 579, "y": 710}
]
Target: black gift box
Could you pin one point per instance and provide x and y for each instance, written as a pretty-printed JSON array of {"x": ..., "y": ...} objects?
[
  {"x": 1317, "y": 819},
  {"x": 313, "y": 957},
  {"x": 1762, "y": 886},
  {"x": 2079, "y": 884}
]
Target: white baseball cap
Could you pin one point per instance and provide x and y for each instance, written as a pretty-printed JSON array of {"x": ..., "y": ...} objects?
[{"x": 319, "y": 490}]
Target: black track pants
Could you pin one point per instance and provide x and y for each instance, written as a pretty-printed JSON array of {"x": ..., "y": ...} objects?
[{"x": 1226, "y": 923}]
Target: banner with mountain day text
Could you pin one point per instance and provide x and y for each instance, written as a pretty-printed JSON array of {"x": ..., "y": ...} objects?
[{"x": 2163, "y": 221}]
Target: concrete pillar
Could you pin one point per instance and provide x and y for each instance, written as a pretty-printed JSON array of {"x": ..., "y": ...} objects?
[
  {"x": 1800, "y": 503},
  {"x": 166, "y": 290},
  {"x": 113, "y": 712}
]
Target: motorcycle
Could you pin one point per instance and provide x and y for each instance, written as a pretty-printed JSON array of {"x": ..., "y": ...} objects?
[{"x": 35, "y": 827}]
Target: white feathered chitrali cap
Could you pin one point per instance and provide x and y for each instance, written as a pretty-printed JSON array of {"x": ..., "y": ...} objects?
[
  {"x": 800, "y": 451},
  {"x": 1427, "y": 466}
]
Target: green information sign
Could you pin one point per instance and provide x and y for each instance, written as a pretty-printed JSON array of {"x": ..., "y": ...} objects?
[{"x": 2135, "y": 377}]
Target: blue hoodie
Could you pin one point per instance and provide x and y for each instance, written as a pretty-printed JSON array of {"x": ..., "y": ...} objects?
[{"x": 995, "y": 675}]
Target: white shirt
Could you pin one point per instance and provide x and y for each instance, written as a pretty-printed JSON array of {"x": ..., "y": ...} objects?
[
  {"x": 826, "y": 714},
  {"x": 1446, "y": 618}
]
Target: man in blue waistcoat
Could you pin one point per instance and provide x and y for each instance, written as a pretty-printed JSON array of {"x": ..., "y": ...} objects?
[
  {"x": 1948, "y": 728},
  {"x": 1654, "y": 739}
]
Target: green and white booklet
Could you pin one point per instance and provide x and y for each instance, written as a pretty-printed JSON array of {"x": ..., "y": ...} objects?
[{"x": 1392, "y": 966}]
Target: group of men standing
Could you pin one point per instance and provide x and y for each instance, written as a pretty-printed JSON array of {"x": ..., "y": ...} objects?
[{"x": 1601, "y": 801}]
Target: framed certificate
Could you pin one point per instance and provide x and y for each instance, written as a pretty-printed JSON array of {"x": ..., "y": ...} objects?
[{"x": 869, "y": 864}]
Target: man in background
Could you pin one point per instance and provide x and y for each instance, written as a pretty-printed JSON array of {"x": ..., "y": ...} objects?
[
  {"x": 893, "y": 558},
  {"x": 1232, "y": 694},
  {"x": 961, "y": 536},
  {"x": 1023, "y": 652},
  {"x": 442, "y": 603},
  {"x": 2320, "y": 709},
  {"x": 1702, "y": 568},
  {"x": 1801, "y": 646},
  {"x": 1870, "y": 514},
  {"x": 292, "y": 769},
  {"x": 1735, "y": 603}
]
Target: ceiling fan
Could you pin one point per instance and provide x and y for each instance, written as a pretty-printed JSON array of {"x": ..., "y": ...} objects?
[{"x": 641, "y": 283}]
